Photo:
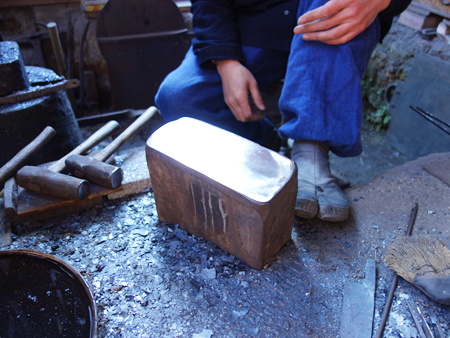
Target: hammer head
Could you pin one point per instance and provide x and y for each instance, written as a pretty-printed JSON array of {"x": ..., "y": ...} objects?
[
  {"x": 95, "y": 171},
  {"x": 47, "y": 182}
]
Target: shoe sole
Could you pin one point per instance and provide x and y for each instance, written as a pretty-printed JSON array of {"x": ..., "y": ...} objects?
[
  {"x": 306, "y": 209},
  {"x": 332, "y": 214}
]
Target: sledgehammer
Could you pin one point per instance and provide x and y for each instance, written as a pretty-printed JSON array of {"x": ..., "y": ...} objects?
[
  {"x": 92, "y": 168},
  {"x": 50, "y": 182}
]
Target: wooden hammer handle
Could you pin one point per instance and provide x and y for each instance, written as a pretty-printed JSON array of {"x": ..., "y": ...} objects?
[
  {"x": 11, "y": 167},
  {"x": 92, "y": 141},
  {"x": 135, "y": 127}
]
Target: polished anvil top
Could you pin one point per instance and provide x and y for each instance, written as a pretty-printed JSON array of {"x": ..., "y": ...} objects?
[{"x": 231, "y": 160}]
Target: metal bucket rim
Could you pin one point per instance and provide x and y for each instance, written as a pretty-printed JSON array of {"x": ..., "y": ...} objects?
[
  {"x": 152, "y": 35},
  {"x": 75, "y": 273}
]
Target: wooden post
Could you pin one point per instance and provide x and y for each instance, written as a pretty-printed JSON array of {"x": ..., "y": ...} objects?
[{"x": 57, "y": 48}]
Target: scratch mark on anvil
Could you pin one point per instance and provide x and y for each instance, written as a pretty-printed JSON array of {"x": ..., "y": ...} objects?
[
  {"x": 211, "y": 210},
  {"x": 204, "y": 207},
  {"x": 224, "y": 214},
  {"x": 193, "y": 197}
]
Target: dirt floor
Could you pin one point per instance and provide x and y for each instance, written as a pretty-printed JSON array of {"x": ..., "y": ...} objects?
[{"x": 152, "y": 279}]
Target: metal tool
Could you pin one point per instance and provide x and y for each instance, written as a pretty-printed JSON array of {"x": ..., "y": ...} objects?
[
  {"x": 97, "y": 168},
  {"x": 94, "y": 171},
  {"x": 22, "y": 156},
  {"x": 438, "y": 323},
  {"x": 47, "y": 182},
  {"x": 424, "y": 321},
  {"x": 416, "y": 320},
  {"x": 100, "y": 173},
  {"x": 62, "y": 182},
  {"x": 38, "y": 91},
  {"x": 444, "y": 126}
]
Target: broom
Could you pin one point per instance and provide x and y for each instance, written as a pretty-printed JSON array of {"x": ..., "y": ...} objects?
[{"x": 423, "y": 261}]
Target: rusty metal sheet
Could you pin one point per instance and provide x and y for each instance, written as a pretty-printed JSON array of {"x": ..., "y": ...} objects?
[{"x": 224, "y": 188}]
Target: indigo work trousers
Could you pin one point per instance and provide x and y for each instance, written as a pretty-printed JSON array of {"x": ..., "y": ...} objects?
[{"x": 321, "y": 97}]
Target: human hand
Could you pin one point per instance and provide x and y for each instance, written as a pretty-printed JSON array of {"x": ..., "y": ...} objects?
[
  {"x": 237, "y": 83},
  {"x": 339, "y": 21}
]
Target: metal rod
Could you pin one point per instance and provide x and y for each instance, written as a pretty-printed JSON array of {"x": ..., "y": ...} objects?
[
  {"x": 431, "y": 118},
  {"x": 412, "y": 219},
  {"x": 416, "y": 320},
  {"x": 438, "y": 324},
  {"x": 140, "y": 36},
  {"x": 430, "y": 333},
  {"x": 387, "y": 306}
]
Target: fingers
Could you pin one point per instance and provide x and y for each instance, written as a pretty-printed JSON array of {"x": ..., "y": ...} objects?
[
  {"x": 256, "y": 96},
  {"x": 322, "y": 12},
  {"x": 339, "y": 21},
  {"x": 337, "y": 35},
  {"x": 320, "y": 25},
  {"x": 243, "y": 111},
  {"x": 238, "y": 83}
]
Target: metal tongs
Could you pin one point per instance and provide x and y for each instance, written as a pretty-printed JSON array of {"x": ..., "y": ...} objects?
[{"x": 433, "y": 119}]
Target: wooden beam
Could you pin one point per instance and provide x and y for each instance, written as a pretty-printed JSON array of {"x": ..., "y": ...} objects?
[{"x": 21, "y": 3}]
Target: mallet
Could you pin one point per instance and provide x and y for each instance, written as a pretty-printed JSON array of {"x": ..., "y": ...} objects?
[
  {"x": 50, "y": 182},
  {"x": 93, "y": 168}
]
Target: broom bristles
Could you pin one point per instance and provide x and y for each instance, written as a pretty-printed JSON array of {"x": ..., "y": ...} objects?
[{"x": 411, "y": 257}]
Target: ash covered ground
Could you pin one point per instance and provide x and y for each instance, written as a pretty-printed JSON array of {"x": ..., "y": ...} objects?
[{"x": 151, "y": 279}]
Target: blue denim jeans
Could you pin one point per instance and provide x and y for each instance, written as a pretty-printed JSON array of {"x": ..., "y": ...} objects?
[{"x": 321, "y": 97}]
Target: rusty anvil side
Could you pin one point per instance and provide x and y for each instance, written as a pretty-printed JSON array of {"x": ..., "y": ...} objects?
[{"x": 224, "y": 188}]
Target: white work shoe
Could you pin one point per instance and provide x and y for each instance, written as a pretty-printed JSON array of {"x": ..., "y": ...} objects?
[{"x": 318, "y": 193}]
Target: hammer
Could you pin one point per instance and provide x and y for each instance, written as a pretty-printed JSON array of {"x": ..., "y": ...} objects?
[
  {"x": 50, "y": 182},
  {"x": 94, "y": 170},
  {"x": 11, "y": 167},
  {"x": 91, "y": 168}
]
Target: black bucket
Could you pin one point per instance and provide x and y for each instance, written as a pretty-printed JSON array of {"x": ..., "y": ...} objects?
[
  {"x": 43, "y": 296},
  {"x": 142, "y": 42}
]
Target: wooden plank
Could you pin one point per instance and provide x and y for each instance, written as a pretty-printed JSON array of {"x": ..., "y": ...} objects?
[
  {"x": 434, "y": 6},
  {"x": 32, "y": 206},
  {"x": 21, "y": 3},
  {"x": 418, "y": 21}
]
